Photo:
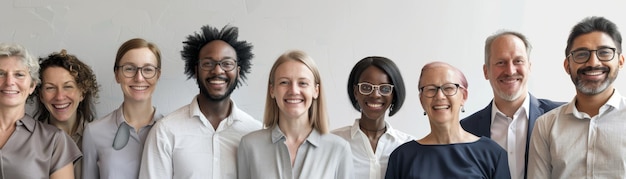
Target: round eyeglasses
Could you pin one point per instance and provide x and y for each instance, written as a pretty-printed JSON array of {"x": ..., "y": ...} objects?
[
  {"x": 367, "y": 88},
  {"x": 604, "y": 54},
  {"x": 129, "y": 71},
  {"x": 226, "y": 64},
  {"x": 447, "y": 89}
]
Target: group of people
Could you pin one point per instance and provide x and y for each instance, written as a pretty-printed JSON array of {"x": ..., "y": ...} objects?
[{"x": 516, "y": 136}]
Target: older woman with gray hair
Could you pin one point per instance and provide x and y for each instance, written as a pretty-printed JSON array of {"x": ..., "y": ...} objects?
[{"x": 30, "y": 149}]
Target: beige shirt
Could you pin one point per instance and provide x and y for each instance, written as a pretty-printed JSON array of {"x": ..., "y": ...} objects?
[
  {"x": 77, "y": 137},
  {"x": 36, "y": 150}
]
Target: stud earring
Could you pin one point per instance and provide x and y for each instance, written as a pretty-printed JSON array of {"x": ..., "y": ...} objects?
[
  {"x": 462, "y": 108},
  {"x": 424, "y": 113}
]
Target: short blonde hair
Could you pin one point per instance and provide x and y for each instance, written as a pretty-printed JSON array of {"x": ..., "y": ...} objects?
[{"x": 318, "y": 117}]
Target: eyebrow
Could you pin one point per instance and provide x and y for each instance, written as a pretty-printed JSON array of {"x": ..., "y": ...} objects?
[
  {"x": 211, "y": 58},
  {"x": 585, "y": 48}
]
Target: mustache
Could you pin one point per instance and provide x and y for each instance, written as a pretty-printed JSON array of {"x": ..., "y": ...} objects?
[
  {"x": 583, "y": 70},
  {"x": 516, "y": 75},
  {"x": 218, "y": 78}
]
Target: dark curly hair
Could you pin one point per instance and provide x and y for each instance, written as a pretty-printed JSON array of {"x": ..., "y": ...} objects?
[
  {"x": 228, "y": 34},
  {"x": 85, "y": 79}
]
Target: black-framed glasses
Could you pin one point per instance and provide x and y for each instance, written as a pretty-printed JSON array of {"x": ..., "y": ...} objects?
[
  {"x": 604, "y": 54},
  {"x": 447, "y": 89},
  {"x": 130, "y": 71},
  {"x": 226, "y": 64},
  {"x": 367, "y": 88}
]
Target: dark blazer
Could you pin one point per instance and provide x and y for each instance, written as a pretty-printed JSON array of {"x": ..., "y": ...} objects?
[{"x": 479, "y": 123}]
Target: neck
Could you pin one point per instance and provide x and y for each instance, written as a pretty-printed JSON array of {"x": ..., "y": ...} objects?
[
  {"x": 510, "y": 107},
  {"x": 372, "y": 127},
  {"x": 8, "y": 117},
  {"x": 135, "y": 113},
  {"x": 68, "y": 126},
  {"x": 295, "y": 129},
  {"x": 447, "y": 133},
  {"x": 214, "y": 111},
  {"x": 591, "y": 104}
]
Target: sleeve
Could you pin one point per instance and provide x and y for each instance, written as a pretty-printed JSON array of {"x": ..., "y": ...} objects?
[
  {"x": 345, "y": 169},
  {"x": 65, "y": 151},
  {"x": 90, "y": 156},
  {"x": 156, "y": 161},
  {"x": 502, "y": 165},
  {"x": 392, "y": 166},
  {"x": 243, "y": 170},
  {"x": 539, "y": 150}
]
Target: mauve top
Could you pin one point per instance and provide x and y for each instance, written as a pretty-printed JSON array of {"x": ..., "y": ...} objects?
[{"x": 36, "y": 150}]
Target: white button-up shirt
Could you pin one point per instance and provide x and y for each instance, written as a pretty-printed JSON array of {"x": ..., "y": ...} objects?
[
  {"x": 185, "y": 145},
  {"x": 367, "y": 164},
  {"x": 510, "y": 134}
]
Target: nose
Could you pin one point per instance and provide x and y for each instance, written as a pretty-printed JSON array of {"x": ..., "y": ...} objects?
[
  {"x": 439, "y": 93},
  {"x": 139, "y": 75},
  {"x": 293, "y": 88},
  {"x": 217, "y": 69},
  {"x": 593, "y": 60},
  {"x": 59, "y": 94},
  {"x": 510, "y": 68},
  {"x": 375, "y": 91}
]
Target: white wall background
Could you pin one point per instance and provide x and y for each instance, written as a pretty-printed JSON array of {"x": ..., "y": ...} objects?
[{"x": 335, "y": 33}]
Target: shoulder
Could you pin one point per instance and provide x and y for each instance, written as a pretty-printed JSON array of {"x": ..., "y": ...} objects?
[
  {"x": 477, "y": 115},
  {"x": 107, "y": 119},
  {"x": 182, "y": 112},
  {"x": 343, "y": 132},
  {"x": 401, "y": 136},
  {"x": 257, "y": 137},
  {"x": 548, "y": 105}
]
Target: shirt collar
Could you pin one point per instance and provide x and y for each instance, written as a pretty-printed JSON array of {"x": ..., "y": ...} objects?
[
  {"x": 615, "y": 101},
  {"x": 523, "y": 108},
  {"x": 119, "y": 116},
  {"x": 230, "y": 119},
  {"x": 313, "y": 138},
  {"x": 356, "y": 128},
  {"x": 28, "y": 122}
]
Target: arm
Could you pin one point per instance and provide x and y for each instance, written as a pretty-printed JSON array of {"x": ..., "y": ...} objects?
[
  {"x": 243, "y": 170},
  {"x": 66, "y": 172},
  {"x": 156, "y": 161},
  {"x": 539, "y": 150},
  {"x": 345, "y": 166},
  {"x": 90, "y": 156},
  {"x": 392, "y": 168},
  {"x": 502, "y": 166}
]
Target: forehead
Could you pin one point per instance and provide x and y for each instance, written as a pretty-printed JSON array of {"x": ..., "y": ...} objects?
[
  {"x": 12, "y": 62},
  {"x": 592, "y": 40},
  {"x": 139, "y": 55},
  {"x": 508, "y": 43},
  {"x": 56, "y": 73},
  {"x": 217, "y": 50},
  {"x": 293, "y": 69},
  {"x": 374, "y": 74},
  {"x": 438, "y": 75}
]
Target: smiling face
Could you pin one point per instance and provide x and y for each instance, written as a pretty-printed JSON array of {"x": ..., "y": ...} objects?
[
  {"x": 441, "y": 108},
  {"x": 508, "y": 68},
  {"x": 137, "y": 88},
  {"x": 216, "y": 84},
  {"x": 594, "y": 76},
  {"x": 374, "y": 105},
  {"x": 15, "y": 83},
  {"x": 60, "y": 93},
  {"x": 294, "y": 89}
]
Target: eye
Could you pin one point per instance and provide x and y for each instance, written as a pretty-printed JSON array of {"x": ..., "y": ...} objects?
[
  {"x": 581, "y": 54},
  {"x": 148, "y": 69},
  {"x": 499, "y": 63},
  {"x": 385, "y": 88},
  {"x": 519, "y": 62},
  {"x": 3, "y": 74},
  {"x": 303, "y": 84},
  {"x": 284, "y": 82},
  {"x": 20, "y": 75},
  {"x": 129, "y": 68},
  {"x": 606, "y": 52}
]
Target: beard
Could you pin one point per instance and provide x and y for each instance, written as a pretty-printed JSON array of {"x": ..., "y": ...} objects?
[
  {"x": 509, "y": 97},
  {"x": 590, "y": 87},
  {"x": 216, "y": 98}
]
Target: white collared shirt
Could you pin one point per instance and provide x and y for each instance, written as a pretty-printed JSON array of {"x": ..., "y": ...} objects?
[
  {"x": 185, "y": 145},
  {"x": 367, "y": 164},
  {"x": 567, "y": 143},
  {"x": 510, "y": 134}
]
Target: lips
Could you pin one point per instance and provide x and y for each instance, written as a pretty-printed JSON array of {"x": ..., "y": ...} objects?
[
  {"x": 218, "y": 80},
  {"x": 139, "y": 88},
  {"x": 593, "y": 71},
  {"x": 10, "y": 91},
  {"x": 510, "y": 79},
  {"x": 294, "y": 101},
  {"x": 61, "y": 106},
  {"x": 440, "y": 107}
]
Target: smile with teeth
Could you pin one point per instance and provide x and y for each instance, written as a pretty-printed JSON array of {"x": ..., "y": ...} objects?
[
  {"x": 217, "y": 81},
  {"x": 593, "y": 73},
  {"x": 139, "y": 87},
  {"x": 441, "y": 107},
  {"x": 374, "y": 105},
  {"x": 10, "y": 91},
  {"x": 61, "y": 106},
  {"x": 293, "y": 101}
]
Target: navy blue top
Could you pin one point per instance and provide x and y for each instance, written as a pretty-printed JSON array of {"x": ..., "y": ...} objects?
[{"x": 481, "y": 159}]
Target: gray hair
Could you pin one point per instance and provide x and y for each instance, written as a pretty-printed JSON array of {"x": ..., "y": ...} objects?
[
  {"x": 15, "y": 50},
  {"x": 501, "y": 33}
]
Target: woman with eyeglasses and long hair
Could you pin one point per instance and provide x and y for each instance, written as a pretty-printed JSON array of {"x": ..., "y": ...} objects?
[
  {"x": 67, "y": 96},
  {"x": 113, "y": 145},
  {"x": 375, "y": 86},
  {"x": 295, "y": 142},
  {"x": 447, "y": 151}
]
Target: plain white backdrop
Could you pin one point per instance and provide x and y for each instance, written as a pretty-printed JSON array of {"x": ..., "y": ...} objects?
[{"x": 336, "y": 33}]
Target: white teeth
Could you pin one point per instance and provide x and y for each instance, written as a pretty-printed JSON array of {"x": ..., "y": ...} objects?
[
  {"x": 374, "y": 105},
  {"x": 217, "y": 82},
  {"x": 293, "y": 101},
  {"x": 139, "y": 87},
  {"x": 62, "y": 106},
  {"x": 593, "y": 73},
  {"x": 441, "y": 107},
  {"x": 10, "y": 91}
]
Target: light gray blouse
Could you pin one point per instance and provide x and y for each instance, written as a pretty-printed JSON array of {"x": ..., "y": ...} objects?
[
  {"x": 263, "y": 154},
  {"x": 36, "y": 150},
  {"x": 101, "y": 160}
]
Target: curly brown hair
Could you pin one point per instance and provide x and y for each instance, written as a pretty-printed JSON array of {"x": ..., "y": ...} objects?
[{"x": 85, "y": 79}]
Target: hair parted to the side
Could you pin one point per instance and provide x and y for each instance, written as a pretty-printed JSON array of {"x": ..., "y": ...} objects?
[
  {"x": 135, "y": 44},
  {"x": 318, "y": 116},
  {"x": 85, "y": 80},
  {"x": 228, "y": 34},
  {"x": 22, "y": 54},
  {"x": 501, "y": 33},
  {"x": 392, "y": 71},
  {"x": 591, "y": 24}
]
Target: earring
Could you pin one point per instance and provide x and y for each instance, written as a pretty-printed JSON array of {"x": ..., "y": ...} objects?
[
  {"x": 424, "y": 113},
  {"x": 462, "y": 108}
]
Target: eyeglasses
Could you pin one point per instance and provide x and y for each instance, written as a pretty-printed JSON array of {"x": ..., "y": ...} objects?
[
  {"x": 604, "y": 54},
  {"x": 226, "y": 65},
  {"x": 130, "y": 71},
  {"x": 447, "y": 89},
  {"x": 367, "y": 88}
]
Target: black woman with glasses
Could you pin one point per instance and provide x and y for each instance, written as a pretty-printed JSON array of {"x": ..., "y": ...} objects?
[
  {"x": 66, "y": 96},
  {"x": 113, "y": 145},
  {"x": 447, "y": 151},
  {"x": 376, "y": 89}
]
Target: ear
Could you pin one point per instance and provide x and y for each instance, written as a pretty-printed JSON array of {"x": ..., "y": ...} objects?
[
  {"x": 270, "y": 89},
  {"x": 355, "y": 90},
  {"x": 485, "y": 72},
  {"x": 317, "y": 91},
  {"x": 566, "y": 66},
  {"x": 621, "y": 61},
  {"x": 117, "y": 77}
]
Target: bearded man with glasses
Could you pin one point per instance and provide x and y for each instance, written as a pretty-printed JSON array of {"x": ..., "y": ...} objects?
[{"x": 585, "y": 137}]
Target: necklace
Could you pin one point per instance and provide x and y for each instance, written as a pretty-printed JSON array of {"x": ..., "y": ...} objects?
[{"x": 377, "y": 130}]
